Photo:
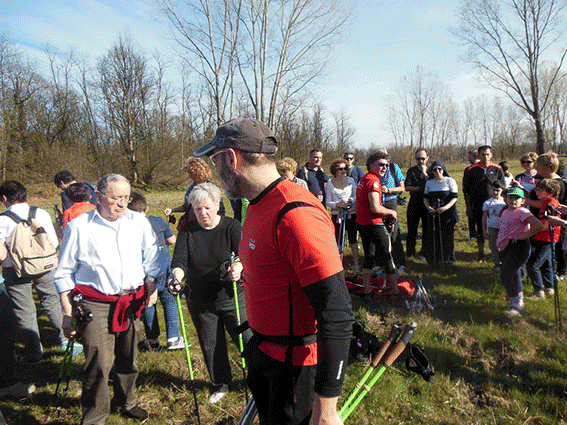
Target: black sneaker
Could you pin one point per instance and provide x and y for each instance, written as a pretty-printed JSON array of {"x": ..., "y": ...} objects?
[
  {"x": 149, "y": 345},
  {"x": 135, "y": 412}
]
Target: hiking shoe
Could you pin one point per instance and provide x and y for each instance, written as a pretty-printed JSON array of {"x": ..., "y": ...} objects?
[
  {"x": 176, "y": 343},
  {"x": 18, "y": 390},
  {"x": 149, "y": 345},
  {"x": 401, "y": 269},
  {"x": 411, "y": 257},
  {"x": 513, "y": 312},
  {"x": 26, "y": 360},
  {"x": 538, "y": 295},
  {"x": 135, "y": 412},
  {"x": 219, "y": 393},
  {"x": 77, "y": 348},
  {"x": 549, "y": 291},
  {"x": 357, "y": 269}
]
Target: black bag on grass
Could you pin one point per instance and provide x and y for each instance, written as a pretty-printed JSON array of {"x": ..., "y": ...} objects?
[{"x": 363, "y": 345}]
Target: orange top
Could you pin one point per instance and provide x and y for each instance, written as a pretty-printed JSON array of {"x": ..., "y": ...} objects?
[{"x": 76, "y": 210}]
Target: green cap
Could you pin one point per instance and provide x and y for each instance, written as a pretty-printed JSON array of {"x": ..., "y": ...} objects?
[{"x": 515, "y": 191}]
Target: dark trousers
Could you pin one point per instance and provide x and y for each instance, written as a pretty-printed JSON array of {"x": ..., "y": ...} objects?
[
  {"x": 513, "y": 258},
  {"x": 103, "y": 349},
  {"x": 396, "y": 237},
  {"x": 539, "y": 266},
  {"x": 8, "y": 326},
  {"x": 440, "y": 239},
  {"x": 211, "y": 320},
  {"x": 283, "y": 393},
  {"x": 416, "y": 212}
]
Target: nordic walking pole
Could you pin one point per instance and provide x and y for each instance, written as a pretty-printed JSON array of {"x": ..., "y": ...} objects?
[
  {"x": 240, "y": 341},
  {"x": 342, "y": 224},
  {"x": 395, "y": 332},
  {"x": 558, "y": 324},
  {"x": 174, "y": 283},
  {"x": 434, "y": 233},
  {"x": 66, "y": 363},
  {"x": 390, "y": 357},
  {"x": 440, "y": 230}
]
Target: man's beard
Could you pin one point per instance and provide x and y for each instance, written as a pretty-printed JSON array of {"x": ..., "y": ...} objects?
[{"x": 230, "y": 181}]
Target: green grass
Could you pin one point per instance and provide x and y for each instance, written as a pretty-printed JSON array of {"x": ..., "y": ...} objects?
[{"x": 489, "y": 369}]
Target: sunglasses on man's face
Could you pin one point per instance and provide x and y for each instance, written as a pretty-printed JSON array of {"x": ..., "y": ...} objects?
[
  {"x": 382, "y": 164},
  {"x": 421, "y": 159}
]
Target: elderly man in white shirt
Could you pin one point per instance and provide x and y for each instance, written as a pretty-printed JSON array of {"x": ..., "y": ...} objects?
[
  {"x": 110, "y": 256},
  {"x": 13, "y": 195}
]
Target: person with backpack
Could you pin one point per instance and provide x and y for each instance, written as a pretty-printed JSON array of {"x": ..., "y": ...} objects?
[
  {"x": 393, "y": 184},
  {"x": 296, "y": 367},
  {"x": 314, "y": 175},
  {"x": 24, "y": 270}
]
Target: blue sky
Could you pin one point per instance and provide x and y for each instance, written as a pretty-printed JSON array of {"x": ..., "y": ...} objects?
[{"x": 388, "y": 39}]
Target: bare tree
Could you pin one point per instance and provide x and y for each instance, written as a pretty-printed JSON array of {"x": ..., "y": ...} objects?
[
  {"x": 413, "y": 110},
  {"x": 343, "y": 132},
  {"x": 126, "y": 85},
  {"x": 272, "y": 50},
  {"x": 285, "y": 46},
  {"x": 508, "y": 40},
  {"x": 206, "y": 32}
]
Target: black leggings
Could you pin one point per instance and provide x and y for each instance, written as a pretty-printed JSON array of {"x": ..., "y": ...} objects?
[
  {"x": 377, "y": 247},
  {"x": 350, "y": 228}
]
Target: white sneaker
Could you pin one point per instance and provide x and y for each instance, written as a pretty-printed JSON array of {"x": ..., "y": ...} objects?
[
  {"x": 176, "y": 343},
  {"x": 538, "y": 295},
  {"x": 550, "y": 292},
  {"x": 513, "y": 312},
  {"x": 218, "y": 394},
  {"x": 401, "y": 269}
]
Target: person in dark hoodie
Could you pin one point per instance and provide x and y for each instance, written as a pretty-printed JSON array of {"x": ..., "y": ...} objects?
[{"x": 440, "y": 199}]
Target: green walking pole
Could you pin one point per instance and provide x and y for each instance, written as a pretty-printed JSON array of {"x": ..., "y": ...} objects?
[
  {"x": 173, "y": 288},
  {"x": 390, "y": 357},
  {"x": 395, "y": 332},
  {"x": 240, "y": 340},
  {"x": 81, "y": 315},
  {"x": 237, "y": 307},
  {"x": 65, "y": 370}
]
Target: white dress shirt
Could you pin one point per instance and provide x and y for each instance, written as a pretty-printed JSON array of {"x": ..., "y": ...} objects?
[
  {"x": 109, "y": 256},
  {"x": 7, "y": 226}
]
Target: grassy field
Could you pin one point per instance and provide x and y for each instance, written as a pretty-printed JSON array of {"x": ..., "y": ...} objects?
[{"x": 489, "y": 369}]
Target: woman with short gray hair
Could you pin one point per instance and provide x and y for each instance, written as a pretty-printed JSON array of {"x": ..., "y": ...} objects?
[{"x": 203, "y": 256}]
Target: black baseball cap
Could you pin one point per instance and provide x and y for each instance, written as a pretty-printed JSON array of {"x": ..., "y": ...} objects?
[{"x": 244, "y": 134}]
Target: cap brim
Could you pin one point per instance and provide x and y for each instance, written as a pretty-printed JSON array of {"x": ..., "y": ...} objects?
[{"x": 207, "y": 149}]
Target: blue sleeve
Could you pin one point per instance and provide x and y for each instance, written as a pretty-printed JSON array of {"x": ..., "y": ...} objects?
[
  {"x": 399, "y": 176},
  {"x": 167, "y": 232}
]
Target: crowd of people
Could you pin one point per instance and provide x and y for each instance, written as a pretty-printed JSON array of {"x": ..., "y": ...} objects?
[{"x": 277, "y": 267}]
